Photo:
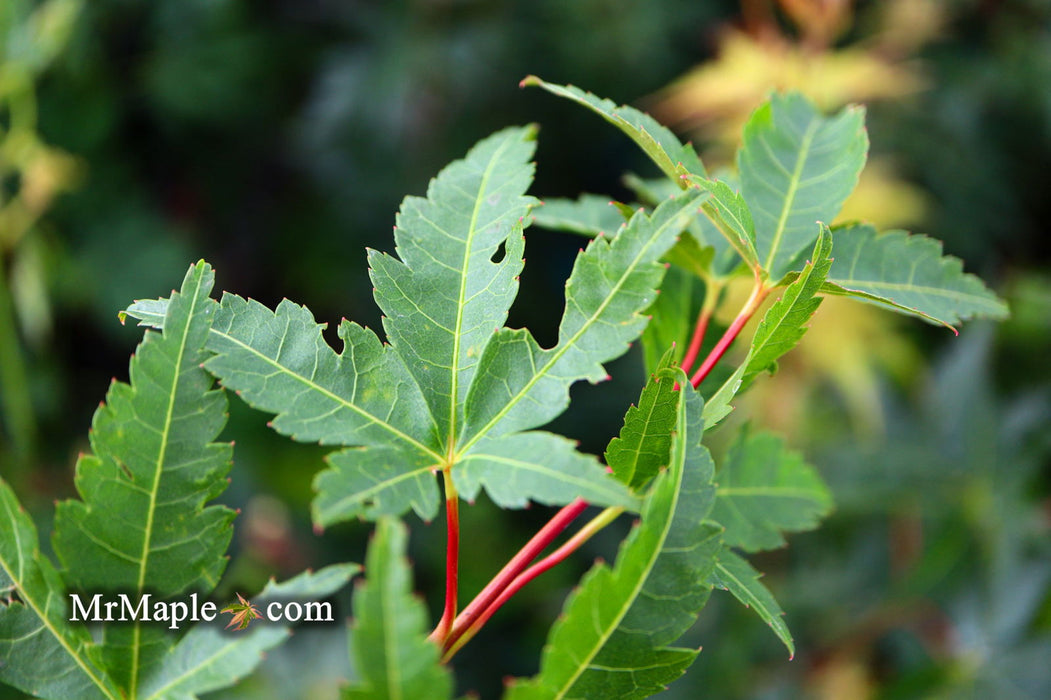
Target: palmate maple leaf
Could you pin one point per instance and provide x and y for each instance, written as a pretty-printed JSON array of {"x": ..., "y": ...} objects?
[{"x": 243, "y": 613}]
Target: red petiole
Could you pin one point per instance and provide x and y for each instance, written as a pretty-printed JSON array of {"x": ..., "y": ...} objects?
[
  {"x": 452, "y": 558},
  {"x": 518, "y": 563},
  {"x": 705, "y": 315},
  {"x": 755, "y": 300},
  {"x": 604, "y": 518}
]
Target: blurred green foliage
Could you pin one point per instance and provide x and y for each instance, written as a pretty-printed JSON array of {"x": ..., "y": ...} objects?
[{"x": 277, "y": 138}]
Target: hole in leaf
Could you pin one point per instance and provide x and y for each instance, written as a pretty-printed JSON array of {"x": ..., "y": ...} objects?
[
  {"x": 9, "y": 596},
  {"x": 501, "y": 251}
]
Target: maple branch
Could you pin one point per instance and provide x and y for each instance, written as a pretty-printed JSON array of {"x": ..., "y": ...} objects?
[
  {"x": 759, "y": 292},
  {"x": 452, "y": 558},
  {"x": 571, "y": 545},
  {"x": 511, "y": 570}
]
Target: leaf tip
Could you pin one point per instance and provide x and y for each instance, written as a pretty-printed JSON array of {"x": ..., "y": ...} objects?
[{"x": 529, "y": 80}]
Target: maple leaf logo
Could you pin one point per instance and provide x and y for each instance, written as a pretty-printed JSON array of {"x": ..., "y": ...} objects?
[{"x": 243, "y": 613}]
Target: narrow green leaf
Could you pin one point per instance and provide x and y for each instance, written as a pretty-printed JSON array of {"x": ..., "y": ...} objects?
[
  {"x": 389, "y": 645},
  {"x": 765, "y": 490},
  {"x": 908, "y": 274},
  {"x": 148, "y": 312},
  {"x": 797, "y": 167},
  {"x": 643, "y": 446},
  {"x": 279, "y": 362},
  {"x": 611, "y": 640},
  {"x": 784, "y": 322},
  {"x": 538, "y": 466},
  {"x": 729, "y": 212},
  {"x": 706, "y": 252},
  {"x": 718, "y": 405},
  {"x": 40, "y": 652},
  {"x": 445, "y": 296},
  {"x": 142, "y": 525},
  {"x": 589, "y": 215},
  {"x": 737, "y": 576},
  {"x": 208, "y": 658},
  {"x": 672, "y": 156},
  {"x": 519, "y": 385}
]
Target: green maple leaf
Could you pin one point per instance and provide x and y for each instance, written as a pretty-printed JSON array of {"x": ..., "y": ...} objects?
[
  {"x": 451, "y": 390},
  {"x": 765, "y": 490}
]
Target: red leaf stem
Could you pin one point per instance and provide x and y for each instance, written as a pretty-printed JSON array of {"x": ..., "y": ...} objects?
[
  {"x": 452, "y": 559},
  {"x": 511, "y": 570},
  {"x": 759, "y": 292},
  {"x": 571, "y": 545},
  {"x": 697, "y": 340}
]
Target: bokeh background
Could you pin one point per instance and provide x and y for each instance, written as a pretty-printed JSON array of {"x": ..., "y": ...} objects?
[{"x": 275, "y": 138}]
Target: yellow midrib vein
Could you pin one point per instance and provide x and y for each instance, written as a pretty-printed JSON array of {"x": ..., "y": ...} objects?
[
  {"x": 471, "y": 231},
  {"x": 654, "y": 555},
  {"x": 331, "y": 395},
  {"x": 793, "y": 185},
  {"x": 154, "y": 487}
]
